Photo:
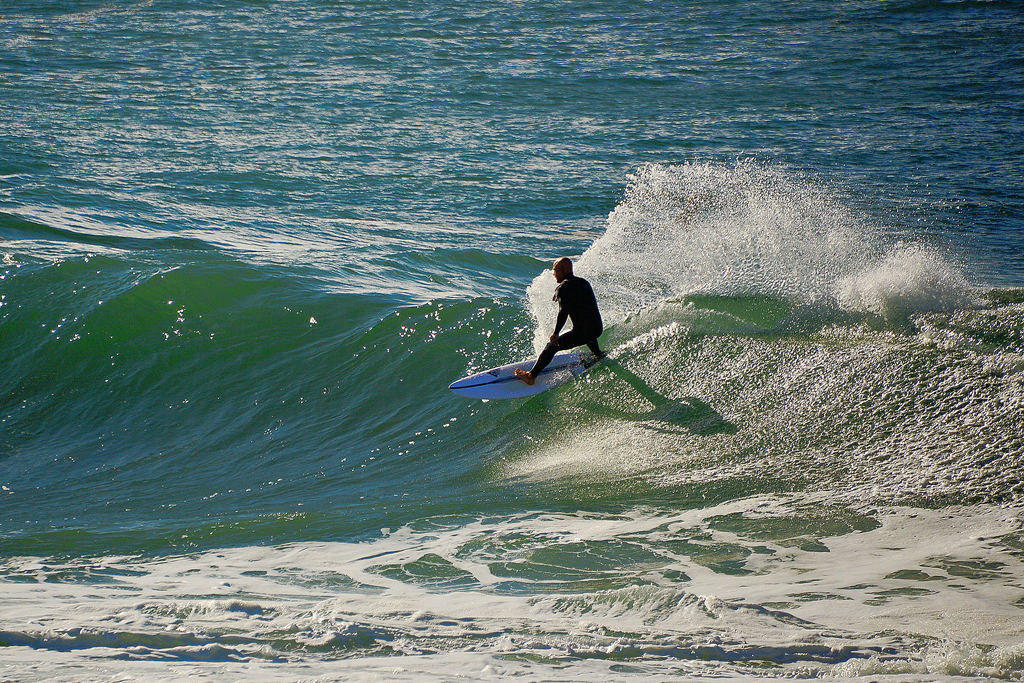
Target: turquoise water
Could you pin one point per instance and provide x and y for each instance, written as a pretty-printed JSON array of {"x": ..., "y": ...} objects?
[{"x": 247, "y": 245}]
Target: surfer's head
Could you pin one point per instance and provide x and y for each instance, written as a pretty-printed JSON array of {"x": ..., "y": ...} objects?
[{"x": 562, "y": 268}]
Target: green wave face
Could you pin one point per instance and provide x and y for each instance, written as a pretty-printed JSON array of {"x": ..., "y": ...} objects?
[
  {"x": 216, "y": 397},
  {"x": 186, "y": 397}
]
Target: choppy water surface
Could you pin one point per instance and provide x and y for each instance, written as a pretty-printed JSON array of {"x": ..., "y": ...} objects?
[{"x": 246, "y": 246}]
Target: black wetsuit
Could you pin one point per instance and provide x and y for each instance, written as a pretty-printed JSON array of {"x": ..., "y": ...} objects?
[{"x": 576, "y": 302}]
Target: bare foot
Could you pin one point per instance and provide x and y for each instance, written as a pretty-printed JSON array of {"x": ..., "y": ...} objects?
[{"x": 525, "y": 376}]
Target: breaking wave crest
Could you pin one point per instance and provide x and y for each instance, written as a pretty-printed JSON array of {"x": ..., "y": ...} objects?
[{"x": 751, "y": 229}]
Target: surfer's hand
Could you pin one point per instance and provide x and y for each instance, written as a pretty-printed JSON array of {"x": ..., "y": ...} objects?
[{"x": 553, "y": 339}]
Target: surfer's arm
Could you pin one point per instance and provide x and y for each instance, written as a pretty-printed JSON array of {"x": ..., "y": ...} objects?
[{"x": 560, "y": 321}]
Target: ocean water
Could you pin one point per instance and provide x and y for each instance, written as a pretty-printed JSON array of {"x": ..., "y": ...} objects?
[{"x": 246, "y": 245}]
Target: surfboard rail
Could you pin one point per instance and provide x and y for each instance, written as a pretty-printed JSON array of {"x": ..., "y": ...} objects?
[{"x": 501, "y": 382}]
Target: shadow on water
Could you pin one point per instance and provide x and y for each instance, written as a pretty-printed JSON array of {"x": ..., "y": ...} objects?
[{"x": 688, "y": 414}]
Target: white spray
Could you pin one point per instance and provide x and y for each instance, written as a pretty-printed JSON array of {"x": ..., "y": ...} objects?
[{"x": 750, "y": 229}]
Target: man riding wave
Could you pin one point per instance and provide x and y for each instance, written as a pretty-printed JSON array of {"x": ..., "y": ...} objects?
[{"x": 576, "y": 302}]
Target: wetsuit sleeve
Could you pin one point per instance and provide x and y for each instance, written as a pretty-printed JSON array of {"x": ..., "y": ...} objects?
[{"x": 563, "y": 315}]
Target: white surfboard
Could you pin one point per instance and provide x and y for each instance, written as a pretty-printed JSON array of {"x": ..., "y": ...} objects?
[{"x": 502, "y": 382}]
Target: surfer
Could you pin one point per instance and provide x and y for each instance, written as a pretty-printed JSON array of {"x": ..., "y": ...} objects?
[{"x": 576, "y": 302}]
